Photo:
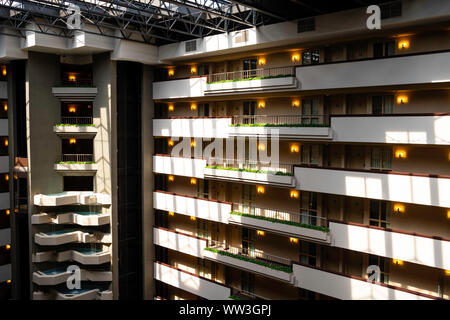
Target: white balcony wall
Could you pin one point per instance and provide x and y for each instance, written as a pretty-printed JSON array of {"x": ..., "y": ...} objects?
[
  {"x": 277, "y": 84},
  {"x": 203, "y": 209},
  {"x": 3, "y": 90},
  {"x": 190, "y": 283},
  {"x": 5, "y": 236},
  {"x": 4, "y": 200},
  {"x": 391, "y": 187},
  {"x": 321, "y": 133},
  {"x": 179, "y": 242},
  {"x": 418, "y": 69},
  {"x": 415, "y": 249},
  {"x": 345, "y": 288},
  {"x": 433, "y": 130},
  {"x": 195, "y": 128},
  {"x": 3, "y": 127},
  {"x": 179, "y": 166},
  {"x": 250, "y": 177},
  {"x": 183, "y": 88},
  {"x": 5, "y": 272},
  {"x": 4, "y": 164}
]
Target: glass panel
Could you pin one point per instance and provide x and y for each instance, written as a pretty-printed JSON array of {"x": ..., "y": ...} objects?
[
  {"x": 306, "y": 58},
  {"x": 374, "y": 209},
  {"x": 314, "y": 154},
  {"x": 315, "y": 107},
  {"x": 389, "y": 104},
  {"x": 377, "y": 105}
]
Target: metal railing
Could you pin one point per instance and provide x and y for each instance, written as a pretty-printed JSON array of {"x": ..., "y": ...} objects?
[
  {"x": 250, "y": 253},
  {"x": 76, "y": 120},
  {"x": 296, "y": 217},
  {"x": 250, "y": 165},
  {"x": 241, "y": 293},
  {"x": 78, "y": 82},
  {"x": 246, "y": 74},
  {"x": 282, "y": 119},
  {"x": 76, "y": 158}
]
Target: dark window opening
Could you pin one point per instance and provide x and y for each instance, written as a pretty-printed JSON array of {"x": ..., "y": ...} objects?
[
  {"x": 391, "y": 10},
  {"x": 77, "y": 113},
  {"x": 4, "y": 146},
  {"x": 3, "y": 109},
  {"x": 78, "y": 183},
  {"x": 305, "y": 25},
  {"x": 76, "y": 75}
]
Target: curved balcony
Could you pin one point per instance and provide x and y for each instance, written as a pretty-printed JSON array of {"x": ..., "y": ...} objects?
[
  {"x": 56, "y": 238},
  {"x": 86, "y": 256},
  {"x": 80, "y": 218},
  {"x": 76, "y": 294},
  {"x": 55, "y": 276},
  {"x": 72, "y": 198}
]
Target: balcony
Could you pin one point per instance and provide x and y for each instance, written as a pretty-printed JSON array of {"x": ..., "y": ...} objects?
[
  {"x": 425, "y": 69},
  {"x": 286, "y": 223},
  {"x": 52, "y": 277},
  {"x": 56, "y": 238},
  {"x": 76, "y": 127},
  {"x": 255, "y": 261},
  {"x": 285, "y": 126},
  {"x": 190, "y": 282},
  {"x": 179, "y": 166},
  {"x": 414, "y": 248},
  {"x": 398, "y": 129},
  {"x": 77, "y": 294},
  {"x": 76, "y": 165},
  {"x": 75, "y": 89},
  {"x": 180, "y": 242},
  {"x": 191, "y": 206},
  {"x": 344, "y": 287},
  {"x": 431, "y": 190},
  {"x": 85, "y": 256},
  {"x": 181, "y": 88},
  {"x": 258, "y": 172},
  {"x": 256, "y": 80},
  {"x": 198, "y": 127},
  {"x": 79, "y": 218},
  {"x": 72, "y": 198}
]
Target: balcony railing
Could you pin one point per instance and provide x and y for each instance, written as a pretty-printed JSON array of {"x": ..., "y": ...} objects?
[
  {"x": 295, "y": 217},
  {"x": 78, "y": 82},
  {"x": 76, "y": 120},
  {"x": 254, "y": 73},
  {"x": 245, "y": 164},
  {"x": 283, "y": 120},
  {"x": 250, "y": 253},
  {"x": 246, "y": 295},
  {"x": 76, "y": 158}
]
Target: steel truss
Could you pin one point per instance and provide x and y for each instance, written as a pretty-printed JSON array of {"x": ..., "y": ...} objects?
[{"x": 148, "y": 21}]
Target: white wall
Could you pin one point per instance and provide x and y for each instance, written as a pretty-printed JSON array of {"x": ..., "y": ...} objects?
[
  {"x": 392, "y": 187},
  {"x": 183, "y": 88},
  {"x": 179, "y": 242},
  {"x": 209, "y": 210},
  {"x": 5, "y": 236},
  {"x": 419, "y": 69},
  {"x": 3, "y": 90},
  {"x": 197, "y": 128},
  {"x": 287, "y": 83},
  {"x": 322, "y": 133},
  {"x": 4, "y": 164},
  {"x": 406, "y": 129},
  {"x": 190, "y": 283},
  {"x": 179, "y": 166},
  {"x": 5, "y": 272},
  {"x": 415, "y": 249},
  {"x": 4, "y": 200},
  {"x": 345, "y": 288}
]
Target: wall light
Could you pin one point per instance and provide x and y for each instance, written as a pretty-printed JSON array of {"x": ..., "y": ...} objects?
[
  {"x": 402, "y": 99},
  {"x": 4, "y": 70},
  {"x": 8, "y": 281},
  {"x": 193, "y": 106},
  {"x": 15, "y": 176},
  {"x": 72, "y": 77},
  {"x": 293, "y": 240},
  {"x": 295, "y": 148},
  {"x": 5, "y": 142},
  {"x": 447, "y": 272},
  {"x": 171, "y": 178},
  {"x": 262, "y": 61},
  {"x": 16, "y": 210},
  {"x": 171, "y": 143},
  {"x": 260, "y": 190},
  {"x": 72, "y": 109},
  {"x": 294, "y": 194},
  {"x": 170, "y": 107},
  {"x": 448, "y": 214},
  {"x": 261, "y": 147},
  {"x": 193, "y": 70},
  {"x": 400, "y": 154},
  {"x": 193, "y": 181},
  {"x": 8, "y": 246},
  {"x": 403, "y": 44},
  {"x": 193, "y": 218},
  {"x": 171, "y": 213},
  {"x": 6, "y": 177},
  {"x": 295, "y": 57},
  {"x": 399, "y": 208},
  {"x": 89, "y": 106},
  {"x": 397, "y": 262},
  {"x": 193, "y": 144},
  {"x": 296, "y": 103},
  {"x": 171, "y": 72},
  {"x": 261, "y": 104},
  {"x": 5, "y": 106},
  {"x": 72, "y": 141},
  {"x": 8, "y": 212},
  {"x": 260, "y": 232}
]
